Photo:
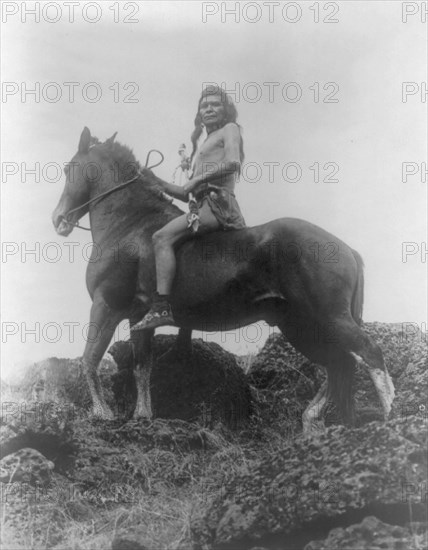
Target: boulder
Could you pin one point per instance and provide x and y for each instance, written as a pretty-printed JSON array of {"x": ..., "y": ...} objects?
[
  {"x": 46, "y": 427},
  {"x": 285, "y": 382},
  {"x": 280, "y": 366},
  {"x": 412, "y": 390},
  {"x": 168, "y": 434},
  {"x": 125, "y": 544},
  {"x": 317, "y": 483},
  {"x": 61, "y": 381},
  {"x": 205, "y": 385},
  {"x": 27, "y": 466},
  {"x": 373, "y": 534}
]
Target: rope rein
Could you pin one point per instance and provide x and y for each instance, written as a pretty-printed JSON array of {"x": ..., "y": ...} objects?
[{"x": 110, "y": 191}]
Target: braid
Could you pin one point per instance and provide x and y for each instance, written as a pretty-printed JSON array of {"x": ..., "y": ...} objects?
[{"x": 196, "y": 134}]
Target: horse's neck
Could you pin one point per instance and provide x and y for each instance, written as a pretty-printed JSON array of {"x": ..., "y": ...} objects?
[{"x": 128, "y": 208}]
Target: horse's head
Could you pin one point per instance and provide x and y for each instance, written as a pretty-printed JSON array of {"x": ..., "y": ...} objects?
[
  {"x": 81, "y": 172},
  {"x": 94, "y": 171}
]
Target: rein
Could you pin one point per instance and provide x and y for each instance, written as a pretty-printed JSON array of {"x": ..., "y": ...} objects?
[{"x": 110, "y": 191}]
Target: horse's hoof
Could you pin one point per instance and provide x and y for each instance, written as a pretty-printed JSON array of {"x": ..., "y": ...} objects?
[
  {"x": 314, "y": 427},
  {"x": 142, "y": 415},
  {"x": 102, "y": 414}
]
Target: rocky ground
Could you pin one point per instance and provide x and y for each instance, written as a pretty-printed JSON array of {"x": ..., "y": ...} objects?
[{"x": 224, "y": 464}]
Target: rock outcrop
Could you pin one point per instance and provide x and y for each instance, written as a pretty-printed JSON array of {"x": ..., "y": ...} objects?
[
  {"x": 285, "y": 377},
  {"x": 264, "y": 487},
  {"x": 318, "y": 483},
  {"x": 61, "y": 381},
  {"x": 334, "y": 489},
  {"x": 373, "y": 534}
]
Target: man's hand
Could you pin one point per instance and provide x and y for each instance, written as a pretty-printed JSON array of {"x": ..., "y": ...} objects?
[
  {"x": 147, "y": 174},
  {"x": 187, "y": 188},
  {"x": 185, "y": 164},
  {"x": 190, "y": 186}
]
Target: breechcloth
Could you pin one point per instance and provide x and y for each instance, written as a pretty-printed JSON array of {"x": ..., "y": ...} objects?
[{"x": 223, "y": 205}]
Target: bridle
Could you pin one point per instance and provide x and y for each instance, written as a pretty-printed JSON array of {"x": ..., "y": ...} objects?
[{"x": 110, "y": 191}]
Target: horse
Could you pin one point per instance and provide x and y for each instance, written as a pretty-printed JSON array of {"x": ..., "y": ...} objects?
[{"x": 287, "y": 272}]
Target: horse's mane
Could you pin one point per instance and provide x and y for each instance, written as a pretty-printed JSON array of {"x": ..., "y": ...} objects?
[
  {"x": 119, "y": 155},
  {"x": 125, "y": 166}
]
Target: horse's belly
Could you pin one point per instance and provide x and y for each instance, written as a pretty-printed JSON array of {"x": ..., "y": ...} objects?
[
  {"x": 218, "y": 316},
  {"x": 210, "y": 300}
]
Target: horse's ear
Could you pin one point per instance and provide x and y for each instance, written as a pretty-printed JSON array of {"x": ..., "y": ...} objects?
[
  {"x": 110, "y": 140},
  {"x": 85, "y": 140}
]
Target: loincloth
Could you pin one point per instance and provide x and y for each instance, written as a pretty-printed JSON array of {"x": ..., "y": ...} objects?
[{"x": 223, "y": 205}]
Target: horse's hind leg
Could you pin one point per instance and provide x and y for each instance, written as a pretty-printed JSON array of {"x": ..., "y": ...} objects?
[
  {"x": 101, "y": 329},
  {"x": 340, "y": 373},
  {"x": 306, "y": 338},
  {"x": 338, "y": 388},
  {"x": 343, "y": 344},
  {"x": 366, "y": 353}
]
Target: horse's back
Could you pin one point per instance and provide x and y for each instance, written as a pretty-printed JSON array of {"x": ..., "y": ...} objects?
[
  {"x": 287, "y": 260},
  {"x": 288, "y": 229},
  {"x": 291, "y": 242}
]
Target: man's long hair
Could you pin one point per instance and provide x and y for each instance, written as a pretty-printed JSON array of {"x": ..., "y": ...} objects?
[{"x": 231, "y": 114}]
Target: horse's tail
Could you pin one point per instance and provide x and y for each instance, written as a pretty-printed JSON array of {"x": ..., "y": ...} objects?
[{"x": 358, "y": 295}]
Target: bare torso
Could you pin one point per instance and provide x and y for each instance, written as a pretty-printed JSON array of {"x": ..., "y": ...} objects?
[{"x": 212, "y": 155}]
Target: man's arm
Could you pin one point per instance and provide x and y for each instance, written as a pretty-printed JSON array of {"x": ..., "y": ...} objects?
[
  {"x": 175, "y": 191},
  {"x": 230, "y": 164}
]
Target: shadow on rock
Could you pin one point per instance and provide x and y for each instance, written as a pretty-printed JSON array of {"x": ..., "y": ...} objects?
[{"x": 205, "y": 386}]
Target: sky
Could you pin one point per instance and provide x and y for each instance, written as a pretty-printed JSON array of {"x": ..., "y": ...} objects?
[{"x": 331, "y": 100}]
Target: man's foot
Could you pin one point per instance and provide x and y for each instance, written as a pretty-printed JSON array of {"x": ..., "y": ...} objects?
[{"x": 160, "y": 315}]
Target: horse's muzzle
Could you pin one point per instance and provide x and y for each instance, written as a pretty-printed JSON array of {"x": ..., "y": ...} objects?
[{"x": 62, "y": 227}]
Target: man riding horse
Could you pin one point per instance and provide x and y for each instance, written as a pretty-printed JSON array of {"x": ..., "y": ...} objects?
[
  {"x": 304, "y": 295},
  {"x": 217, "y": 164}
]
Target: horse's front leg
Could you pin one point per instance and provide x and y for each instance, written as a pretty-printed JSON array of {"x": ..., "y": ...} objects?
[
  {"x": 102, "y": 325},
  {"x": 143, "y": 346}
]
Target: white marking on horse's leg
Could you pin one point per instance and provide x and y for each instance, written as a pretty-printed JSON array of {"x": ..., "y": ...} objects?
[
  {"x": 143, "y": 408},
  {"x": 101, "y": 329},
  {"x": 384, "y": 387},
  {"x": 311, "y": 416},
  {"x": 99, "y": 405},
  {"x": 142, "y": 373},
  {"x": 383, "y": 384}
]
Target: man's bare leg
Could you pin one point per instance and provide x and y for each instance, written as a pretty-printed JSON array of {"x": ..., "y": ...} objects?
[
  {"x": 160, "y": 313},
  {"x": 163, "y": 243}
]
